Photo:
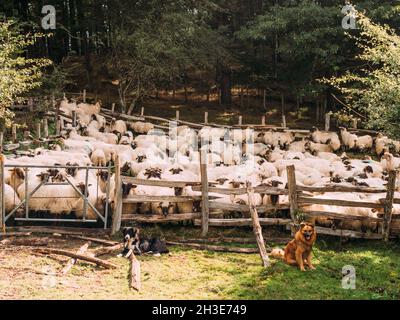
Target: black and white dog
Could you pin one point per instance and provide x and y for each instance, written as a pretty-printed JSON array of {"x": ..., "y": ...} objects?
[{"x": 133, "y": 243}]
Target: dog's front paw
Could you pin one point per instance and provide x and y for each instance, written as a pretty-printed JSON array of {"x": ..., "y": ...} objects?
[
  {"x": 302, "y": 269},
  {"x": 311, "y": 267}
]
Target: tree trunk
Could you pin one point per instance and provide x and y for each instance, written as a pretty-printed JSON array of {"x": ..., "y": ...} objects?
[{"x": 224, "y": 76}]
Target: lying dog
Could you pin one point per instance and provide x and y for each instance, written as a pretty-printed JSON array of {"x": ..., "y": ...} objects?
[
  {"x": 298, "y": 250},
  {"x": 134, "y": 244}
]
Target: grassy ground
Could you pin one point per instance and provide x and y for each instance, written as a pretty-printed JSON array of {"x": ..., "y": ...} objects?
[{"x": 193, "y": 274}]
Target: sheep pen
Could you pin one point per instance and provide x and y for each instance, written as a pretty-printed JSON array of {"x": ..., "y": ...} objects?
[{"x": 118, "y": 169}]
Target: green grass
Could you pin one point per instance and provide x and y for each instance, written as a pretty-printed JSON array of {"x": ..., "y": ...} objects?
[{"x": 194, "y": 274}]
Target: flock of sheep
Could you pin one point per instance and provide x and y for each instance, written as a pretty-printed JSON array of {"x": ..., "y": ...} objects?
[{"x": 234, "y": 157}]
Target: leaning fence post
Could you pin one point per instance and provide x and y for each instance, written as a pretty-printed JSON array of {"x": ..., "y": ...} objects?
[
  {"x": 388, "y": 206},
  {"x": 256, "y": 226},
  {"x": 205, "y": 211},
  {"x": 327, "y": 121},
  {"x": 2, "y": 197},
  {"x": 117, "y": 215},
  {"x": 293, "y": 203}
]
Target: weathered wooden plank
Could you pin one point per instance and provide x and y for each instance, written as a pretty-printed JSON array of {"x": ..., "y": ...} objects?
[
  {"x": 337, "y": 202},
  {"x": 245, "y": 208},
  {"x": 336, "y": 188},
  {"x": 160, "y": 183},
  {"x": 160, "y": 219},
  {"x": 244, "y": 222},
  {"x": 340, "y": 216},
  {"x": 145, "y": 198}
]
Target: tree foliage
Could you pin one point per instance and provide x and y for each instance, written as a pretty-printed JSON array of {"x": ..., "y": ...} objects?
[
  {"x": 374, "y": 88},
  {"x": 18, "y": 75}
]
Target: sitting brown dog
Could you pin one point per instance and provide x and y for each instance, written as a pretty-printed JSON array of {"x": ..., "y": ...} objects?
[{"x": 298, "y": 251}]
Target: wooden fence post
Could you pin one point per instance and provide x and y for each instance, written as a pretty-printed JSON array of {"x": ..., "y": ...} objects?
[
  {"x": 142, "y": 111},
  {"x": 205, "y": 211},
  {"x": 240, "y": 120},
  {"x": 291, "y": 176},
  {"x": 284, "y": 121},
  {"x": 256, "y": 226},
  {"x": 38, "y": 130},
  {"x": 116, "y": 222},
  {"x": 1, "y": 141},
  {"x": 354, "y": 123},
  {"x": 327, "y": 121},
  {"x": 84, "y": 95},
  {"x": 14, "y": 133},
  {"x": 30, "y": 104},
  {"x": 113, "y": 107},
  {"x": 263, "y": 120},
  {"x": 74, "y": 122},
  {"x": 388, "y": 206},
  {"x": 206, "y": 117},
  {"x": 2, "y": 198},
  {"x": 45, "y": 128},
  {"x": 265, "y": 99},
  {"x": 177, "y": 115}
]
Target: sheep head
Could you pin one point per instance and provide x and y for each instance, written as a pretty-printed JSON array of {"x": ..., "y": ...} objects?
[
  {"x": 126, "y": 188},
  {"x": 43, "y": 176},
  {"x": 82, "y": 188},
  {"x": 153, "y": 173},
  {"x": 72, "y": 171},
  {"x": 126, "y": 167},
  {"x": 221, "y": 181},
  {"x": 103, "y": 174},
  {"x": 141, "y": 158},
  {"x": 175, "y": 170},
  {"x": 166, "y": 208}
]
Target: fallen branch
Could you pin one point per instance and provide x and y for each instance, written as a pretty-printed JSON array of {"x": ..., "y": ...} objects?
[
  {"x": 94, "y": 240},
  {"x": 134, "y": 273},
  {"x": 72, "y": 261},
  {"x": 15, "y": 234},
  {"x": 61, "y": 252},
  {"x": 102, "y": 251},
  {"x": 214, "y": 247},
  {"x": 41, "y": 242}
]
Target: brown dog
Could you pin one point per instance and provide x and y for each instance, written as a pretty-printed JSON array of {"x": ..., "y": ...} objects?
[{"x": 298, "y": 251}]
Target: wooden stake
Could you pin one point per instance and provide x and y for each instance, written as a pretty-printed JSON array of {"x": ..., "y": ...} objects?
[
  {"x": 30, "y": 104},
  {"x": 293, "y": 202},
  {"x": 116, "y": 222},
  {"x": 240, "y": 121},
  {"x": 84, "y": 95},
  {"x": 177, "y": 115},
  {"x": 14, "y": 133},
  {"x": 72, "y": 261},
  {"x": 263, "y": 120},
  {"x": 142, "y": 111},
  {"x": 2, "y": 198},
  {"x": 1, "y": 141},
  {"x": 283, "y": 121},
  {"x": 38, "y": 130},
  {"x": 134, "y": 273},
  {"x": 391, "y": 186},
  {"x": 205, "y": 211},
  {"x": 74, "y": 122},
  {"x": 206, "y": 117},
  {"x": 265, "y": 99},
  {"x": 256, "y": 226},
  {"x": 113, "y": 107},
  {"x": 327, "y": 121},
  {"x": 354, "y": 123},
  {"x": 45, "y": 128}
]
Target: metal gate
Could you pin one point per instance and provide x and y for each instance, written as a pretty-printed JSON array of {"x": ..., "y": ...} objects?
[{"x": 46, "y": 182}]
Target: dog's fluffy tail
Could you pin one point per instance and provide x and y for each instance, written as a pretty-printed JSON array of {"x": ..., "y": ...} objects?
[{"x": 277, "y": 253}]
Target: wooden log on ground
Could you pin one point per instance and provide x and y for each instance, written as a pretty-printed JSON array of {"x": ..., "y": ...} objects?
[
  {"x": 72, "y": 261},
  {"x": 42, "y": 242},
  {"x": 102, "y": 263},
  {"x": 213, "y": 247},
  {"x": 94, "y": 240},
  {"x": 15, "y": 234},
  {"x": 107, "y": 250},
  {"x": 134, "y": 273},
  {"x": 256, "y": 226}
]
